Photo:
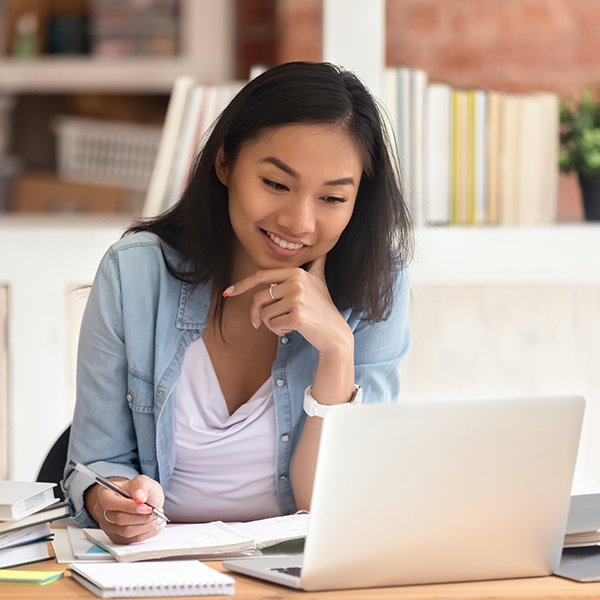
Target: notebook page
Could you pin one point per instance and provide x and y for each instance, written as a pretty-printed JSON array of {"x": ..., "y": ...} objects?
[
  {"x": 268, "y": 532},
  {"x": 177, "y": 540}
]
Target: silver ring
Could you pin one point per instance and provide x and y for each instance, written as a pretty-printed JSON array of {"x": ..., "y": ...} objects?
[
  {"x": 271, "y": 291},
  {"x": 107, "y": 519}
]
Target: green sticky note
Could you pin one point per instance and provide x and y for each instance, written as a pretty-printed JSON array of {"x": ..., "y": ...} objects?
[{"x": 36, "y": 577}]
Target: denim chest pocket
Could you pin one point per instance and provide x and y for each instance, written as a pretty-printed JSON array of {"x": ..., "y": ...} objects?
[{"x": 140, "y": 398}]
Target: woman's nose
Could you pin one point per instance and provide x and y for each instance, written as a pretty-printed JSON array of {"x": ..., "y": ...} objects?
[{"x": 298, "y": 216}]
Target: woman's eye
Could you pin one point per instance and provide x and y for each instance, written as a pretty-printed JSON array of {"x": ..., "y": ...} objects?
[
  {"x": 274, "y": 184},
  {"x": 334, "y": 199}
]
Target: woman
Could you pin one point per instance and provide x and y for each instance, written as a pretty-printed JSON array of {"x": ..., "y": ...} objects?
[{"x": 273, "y": 290}]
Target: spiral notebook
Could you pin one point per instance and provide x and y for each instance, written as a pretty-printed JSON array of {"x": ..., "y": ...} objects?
[{"x": 135, "y": 580}]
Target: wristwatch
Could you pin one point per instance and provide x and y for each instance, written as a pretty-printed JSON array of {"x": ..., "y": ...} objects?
[{"x": 313, "y": 409}]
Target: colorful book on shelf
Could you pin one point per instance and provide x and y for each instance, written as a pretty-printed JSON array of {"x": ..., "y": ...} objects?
[
  {"x": 492, "y": 215},
  {"x": 20, "y": 499},
  {"x": 510, "y": 124},
  {"x": 462, "y": 157}
]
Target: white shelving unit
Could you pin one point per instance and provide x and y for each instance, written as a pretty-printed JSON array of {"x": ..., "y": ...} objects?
[{"x": 208, "y": 53}]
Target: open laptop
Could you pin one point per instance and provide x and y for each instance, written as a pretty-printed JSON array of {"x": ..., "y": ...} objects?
[{"x": 435, "y": 492}]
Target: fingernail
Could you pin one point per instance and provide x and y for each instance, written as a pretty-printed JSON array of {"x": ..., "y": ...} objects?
[
  {"x": 160, "y": 521},
  {"x": 142, "y": 509},
  {"x": 139, "y": 497},
  {"x": 255, "y": 324},
  {"x": 228, "y": 291}
]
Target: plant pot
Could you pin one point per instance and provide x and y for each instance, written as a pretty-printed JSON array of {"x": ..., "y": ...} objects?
[{"x": 590, "y": 192}]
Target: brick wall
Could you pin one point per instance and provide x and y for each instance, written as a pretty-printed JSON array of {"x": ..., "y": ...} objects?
[{"x": 510, "y": 45}]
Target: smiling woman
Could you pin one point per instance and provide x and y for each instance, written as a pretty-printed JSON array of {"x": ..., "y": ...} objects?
[{"x": 218, "y": 334}]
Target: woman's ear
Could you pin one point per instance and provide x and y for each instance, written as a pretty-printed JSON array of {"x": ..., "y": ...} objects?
[{"x": 221, "y": 166}]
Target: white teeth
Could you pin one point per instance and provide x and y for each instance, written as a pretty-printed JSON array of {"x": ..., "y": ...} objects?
[{"x": 283, "y": 244}]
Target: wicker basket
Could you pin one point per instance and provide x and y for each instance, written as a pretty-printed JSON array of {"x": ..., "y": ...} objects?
[{"x": 106, "y": 152}]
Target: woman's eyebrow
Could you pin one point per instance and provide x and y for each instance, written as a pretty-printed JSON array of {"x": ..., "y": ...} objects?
[
  {"x": 287, "y": 169},
  {"x": 281, "y": 165}
]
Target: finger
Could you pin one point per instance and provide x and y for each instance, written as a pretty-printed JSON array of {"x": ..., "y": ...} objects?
[
  {"x": 266, "y": 277},
  {"x": 133, "y": 533},
  {"x": 108, "y": 500},
  {"x": 317, "y": 267},
  {"x": 144, "y": 489},
  {"x": 123, "y": 519}
]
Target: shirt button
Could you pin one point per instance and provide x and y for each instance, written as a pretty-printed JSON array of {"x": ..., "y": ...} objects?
[
  {"x": 283, "y": 477},
  {"x": 129, "y": 397},
  {"x": 285, "y": 437},
  {"x": 280, "y": 383},
  {"x": 284, "y": 340}
]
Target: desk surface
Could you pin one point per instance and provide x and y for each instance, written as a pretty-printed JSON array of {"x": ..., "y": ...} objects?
[{"x": 246, "y": 588}]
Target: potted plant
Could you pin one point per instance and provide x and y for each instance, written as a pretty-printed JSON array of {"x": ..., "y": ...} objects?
[{"x": 580, "y": 147}]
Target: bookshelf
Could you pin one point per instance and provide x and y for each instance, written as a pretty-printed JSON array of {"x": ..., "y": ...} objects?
[{"x": 207, "y": 52}]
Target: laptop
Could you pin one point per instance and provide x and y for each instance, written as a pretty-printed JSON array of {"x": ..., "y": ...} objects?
[{"x": 435, "y": 492}]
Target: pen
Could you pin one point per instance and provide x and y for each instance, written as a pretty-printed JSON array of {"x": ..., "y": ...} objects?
[{"x": 113, "y": 487}]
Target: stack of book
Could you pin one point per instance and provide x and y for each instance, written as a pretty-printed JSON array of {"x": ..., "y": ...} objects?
[
  {"x": 26, "y": 510},
  {"x": 473, "y": 156},
  {"x": 192, "y": 109}
]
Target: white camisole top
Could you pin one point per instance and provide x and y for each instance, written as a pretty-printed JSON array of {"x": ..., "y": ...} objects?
[{"x": 224, "y": 464}]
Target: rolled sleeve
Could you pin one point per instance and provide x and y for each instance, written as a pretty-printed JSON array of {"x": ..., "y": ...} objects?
[
  {"x": 102, "y": 433},
  {"x": 380, "y": 348}
]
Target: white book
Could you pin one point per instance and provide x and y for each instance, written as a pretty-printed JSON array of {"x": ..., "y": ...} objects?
[
  {"x": 391, "y": 108},
  {"x": 480, "y": 155},
  {"x": 186, "y": 147},
  {"x": 171, "y": 578},
  {"x": 24, "y": 554},
  {"x": 157, "y": 189},
  {"x": 530, "y": 163},
  {"x": 45, "y": 515},
  {"x": 19, "y": 499},
  {"x": 549, "y": 145},
  {"x": 403, "y": 99},
  {"x": 437, "y": 153},
  {"x": 24, "y": 535},
  {"x": 418, "y": 85}
]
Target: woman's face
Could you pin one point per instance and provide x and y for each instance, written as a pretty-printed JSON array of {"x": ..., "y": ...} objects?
[{"x": 291, "y": 194}]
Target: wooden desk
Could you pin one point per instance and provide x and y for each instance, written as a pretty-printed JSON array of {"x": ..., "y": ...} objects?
[{"x": 246, "y": 588}]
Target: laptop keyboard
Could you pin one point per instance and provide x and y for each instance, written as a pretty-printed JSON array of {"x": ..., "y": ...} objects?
[{"x": 292, "y": 571}]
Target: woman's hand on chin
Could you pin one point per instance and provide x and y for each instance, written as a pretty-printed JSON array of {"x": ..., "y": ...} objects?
[{"x": 295, "y": 299}]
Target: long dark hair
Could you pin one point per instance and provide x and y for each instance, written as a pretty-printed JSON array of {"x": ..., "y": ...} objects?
[{"x": 362, "y": 267}]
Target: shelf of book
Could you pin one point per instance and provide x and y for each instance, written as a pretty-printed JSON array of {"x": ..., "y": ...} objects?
[{"x": 207, "y": 52}]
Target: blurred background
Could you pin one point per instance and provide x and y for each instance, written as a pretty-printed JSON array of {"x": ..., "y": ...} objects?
[
  {"x": 92, "y": 90},
  {"x": 56, "y": 57}
]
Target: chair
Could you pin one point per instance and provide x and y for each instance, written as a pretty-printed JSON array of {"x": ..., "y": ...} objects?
[{"x": 54, "y": 463}]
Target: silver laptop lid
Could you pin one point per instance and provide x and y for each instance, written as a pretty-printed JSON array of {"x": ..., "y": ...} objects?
[{"x": 443, "y": 491}]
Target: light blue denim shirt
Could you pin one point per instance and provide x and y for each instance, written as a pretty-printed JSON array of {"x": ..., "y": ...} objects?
[{"x": 137, "y": 325}]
